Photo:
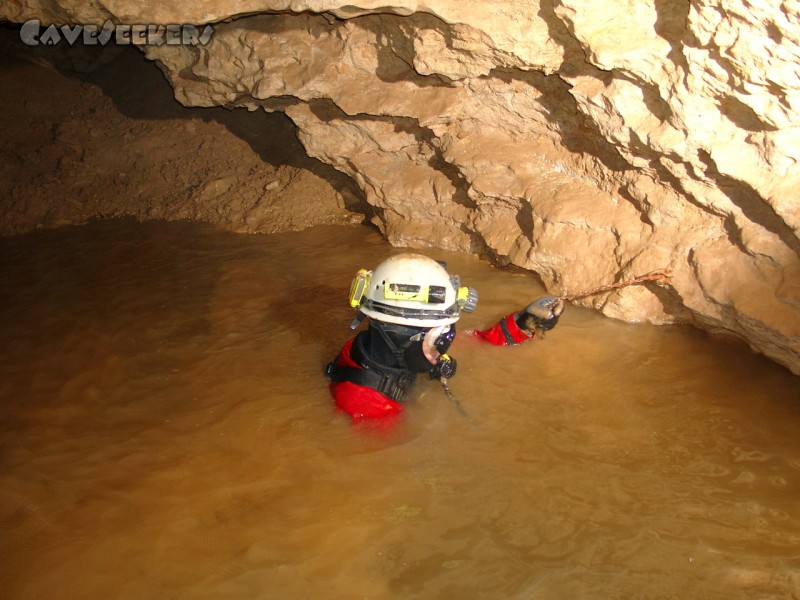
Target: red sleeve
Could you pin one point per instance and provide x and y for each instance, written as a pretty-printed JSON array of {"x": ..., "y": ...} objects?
[{"x": 505, "y": 333}]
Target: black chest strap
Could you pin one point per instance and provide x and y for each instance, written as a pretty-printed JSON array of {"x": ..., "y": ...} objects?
[
  {"x": 393, "y": 385},
  {"x": 391, "y": 382}
]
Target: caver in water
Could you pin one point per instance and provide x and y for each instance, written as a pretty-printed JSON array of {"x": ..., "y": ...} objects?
[{"x": 412, "y": 304}]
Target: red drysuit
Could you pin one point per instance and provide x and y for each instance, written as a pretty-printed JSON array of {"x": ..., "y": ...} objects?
[
  {"x": 359, "y": 401},
  {"x": 363, "y": 402},
  {"x": 505, "y": 333}
]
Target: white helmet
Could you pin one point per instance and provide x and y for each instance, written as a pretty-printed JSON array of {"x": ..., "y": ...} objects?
[{"x": 412, "y": 290}]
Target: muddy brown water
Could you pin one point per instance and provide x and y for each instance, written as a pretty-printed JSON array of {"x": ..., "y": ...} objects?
[{"x": 166, "y": 432}]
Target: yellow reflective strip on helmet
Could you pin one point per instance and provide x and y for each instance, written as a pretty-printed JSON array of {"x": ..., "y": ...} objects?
[{"x": 405, "y": 292}]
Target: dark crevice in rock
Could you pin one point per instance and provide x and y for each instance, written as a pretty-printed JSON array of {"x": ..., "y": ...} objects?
[
  {"x": 750, "y": 203},
  {"x": 396, "y": 51},
  {"x": 741, "y": 115},
  {"x": 671, "y": 302},
  {"x": 524, "y": 219},
  {"x": 641, "y": 207},
  {"x": 671, "y": 24},
  {"x": 460, "y": 185},
  {"x": 274, "y": 22},
  {"x": 732, "y": 108},
  {"x": 326, "y": 110},
  {"x": 578, "y": 133},
  {"x": 727, "y": 220},
  {"x": 773, "y": 32},
  {"x": 664, "y": 175},
  {"x": 560, "y": 32},
  {"x": 651, "y": 96},
  {"x": 734, "y": 233}
]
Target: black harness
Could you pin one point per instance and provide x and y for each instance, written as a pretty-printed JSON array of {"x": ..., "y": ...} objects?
[
  {"x": 510, "y": 341},
  {"x": 393, "y": 382}
]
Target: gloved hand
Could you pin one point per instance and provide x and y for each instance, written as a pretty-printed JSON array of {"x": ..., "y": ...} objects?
[
  {"x": 444, "y": 367},
  {"x": 541, "y": 315}
]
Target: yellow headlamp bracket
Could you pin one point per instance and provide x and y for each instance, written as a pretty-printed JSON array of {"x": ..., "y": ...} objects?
[{"x": 359, "y": 286}]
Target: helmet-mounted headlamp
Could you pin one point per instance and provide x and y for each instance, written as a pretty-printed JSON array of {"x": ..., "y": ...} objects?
[
  {"x": 411, "y": 289},
  {"x": 358, "y": 287}
]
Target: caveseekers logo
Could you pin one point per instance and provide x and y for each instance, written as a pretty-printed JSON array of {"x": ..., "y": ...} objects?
[{"x": 33, "y": 34}]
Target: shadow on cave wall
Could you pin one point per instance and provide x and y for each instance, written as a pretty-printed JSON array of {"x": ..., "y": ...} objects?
[
  {"x": 139, "y": 90},
  {"x": 580, "y": 135}
]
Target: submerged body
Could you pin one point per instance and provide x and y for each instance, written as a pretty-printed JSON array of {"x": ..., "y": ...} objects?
[
  {"x": 413, "y": 305},
  {"x": 371, "y": 376}
]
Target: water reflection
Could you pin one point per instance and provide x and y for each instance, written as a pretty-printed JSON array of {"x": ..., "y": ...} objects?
[{"x": 167, "y": 432}]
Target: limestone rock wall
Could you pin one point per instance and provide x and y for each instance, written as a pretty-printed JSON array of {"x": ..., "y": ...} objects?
[{"x": 586, "y": 141}]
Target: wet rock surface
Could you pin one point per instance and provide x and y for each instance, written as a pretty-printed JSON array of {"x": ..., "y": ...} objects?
[{"x": 586, "y": 143}]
